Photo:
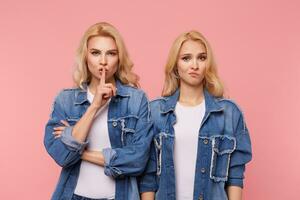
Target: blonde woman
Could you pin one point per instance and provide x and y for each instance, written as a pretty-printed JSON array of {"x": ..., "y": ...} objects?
[
  {"x": 98, "y": 132},
  {"x": 201, "y": 142}
]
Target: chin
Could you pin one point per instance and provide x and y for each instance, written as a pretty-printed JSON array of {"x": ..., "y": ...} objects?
[{"x": 193, "y": 83}]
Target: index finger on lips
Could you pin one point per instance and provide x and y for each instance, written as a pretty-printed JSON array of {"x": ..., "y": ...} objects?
[{"x": 102, "y": 80}]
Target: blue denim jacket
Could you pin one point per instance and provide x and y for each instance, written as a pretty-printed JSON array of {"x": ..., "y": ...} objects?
[
  {"x": 129, "y": 127},
  {"x": 224, "y": 148}
]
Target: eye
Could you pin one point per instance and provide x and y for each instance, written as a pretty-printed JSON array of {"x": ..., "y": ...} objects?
[
  {"x": 186, "y": 58},
  {"x": 95, "y": 53},
  {"x": 202, "y": 57},
  {"x": 111, "y": 53}
]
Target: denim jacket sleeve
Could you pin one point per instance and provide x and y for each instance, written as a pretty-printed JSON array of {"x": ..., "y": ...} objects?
[
  {"x": 242, "y": 153},
  {"x": 148, "y": 180},
  {"x": 65, "y": 150},
  {"x": 131, "y": 160}
]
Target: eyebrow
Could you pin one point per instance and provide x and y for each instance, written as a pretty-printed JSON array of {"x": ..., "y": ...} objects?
[
  {"x": 188, "y": 54},
  {"x": 93, "y": 49}
]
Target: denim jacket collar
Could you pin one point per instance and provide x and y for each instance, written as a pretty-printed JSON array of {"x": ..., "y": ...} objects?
[
  {"x": 210, "y": 101},
  {"x": 81, "y": 94},
  {"x": 170, "y": 102}
]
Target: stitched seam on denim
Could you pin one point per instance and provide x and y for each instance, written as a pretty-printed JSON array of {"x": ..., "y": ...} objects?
[
  {"x": 129, "y": 130},
  {"x": 122, "y": 131},
  {"x": 158, "y": 156},
  {"x": 216, "y": 151},
  {"x": 159, "y": 150},
  {"x": 120, "y": 118},
  {"x": 149, "y": 112}
]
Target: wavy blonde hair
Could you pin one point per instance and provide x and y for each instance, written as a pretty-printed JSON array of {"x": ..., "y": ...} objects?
[
  {"x": 211, "y": 80},
  {"x": 124, "y": 72}
]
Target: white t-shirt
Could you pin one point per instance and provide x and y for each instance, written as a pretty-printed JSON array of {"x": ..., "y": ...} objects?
[
  {"x": 186, "y": 130},
  {"x": 92, "y": 182}
]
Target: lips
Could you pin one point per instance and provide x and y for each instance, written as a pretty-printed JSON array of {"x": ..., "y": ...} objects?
[
  {"x": 193, "y": 74},
  {"x": 101, "y": 70}
]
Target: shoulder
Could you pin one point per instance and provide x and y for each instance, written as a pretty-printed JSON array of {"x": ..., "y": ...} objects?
[
  {"x": 66, "y": 93},
  {"x": 234, "y": 111},
  {"x": 137, "y": 98},
  {"x": 62, "y": 98},
  {"x": 136, "y": 94},
  {"x": 134, "y": 90},
  {"x": 229, "y": 105},
  {"x": 231, "y": 109},
  {"x": 157, "y": 102}
]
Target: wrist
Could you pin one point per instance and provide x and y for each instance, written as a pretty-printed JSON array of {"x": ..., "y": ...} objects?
[{"x": 94, "y": 107}]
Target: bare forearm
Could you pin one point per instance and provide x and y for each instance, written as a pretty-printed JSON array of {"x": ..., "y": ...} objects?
[
  {"x": 82, "y": 127},
  {"x": 147, "y": 196},
  {"x": 95, "y": 157},
  {"x": 234, "y": 193}
]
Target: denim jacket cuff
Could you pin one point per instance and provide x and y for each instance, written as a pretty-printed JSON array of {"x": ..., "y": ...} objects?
[
  {"x": 109, "y": 155},
  {"x": 147, "y": 188},
  {"x": 71, "y": 142},
  {"x": 235, "y": 182}
]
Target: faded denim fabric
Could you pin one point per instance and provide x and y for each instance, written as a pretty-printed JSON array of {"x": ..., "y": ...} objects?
[
  {"x": 129, "y": 128},
  {"x": 224, "y": 147}
]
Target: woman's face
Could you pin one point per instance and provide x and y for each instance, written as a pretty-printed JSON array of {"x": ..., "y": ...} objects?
[
  {"x": 102, "y": 54},
  {"x": 191, "y": 63}
]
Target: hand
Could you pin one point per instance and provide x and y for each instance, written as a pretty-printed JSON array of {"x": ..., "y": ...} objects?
[
  {"x": 104, "y": 92},
  {"x": 58, "y": 130}
]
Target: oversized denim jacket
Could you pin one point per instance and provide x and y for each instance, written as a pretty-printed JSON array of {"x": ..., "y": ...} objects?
[
  {"x": 129, "y": 127},
  {"x": 224, "y": 148}
]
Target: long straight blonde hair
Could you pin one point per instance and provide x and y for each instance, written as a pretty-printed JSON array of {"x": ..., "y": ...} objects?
[
  {"x": 124, "y": 72},
  {"x": 211, "y": 79}
]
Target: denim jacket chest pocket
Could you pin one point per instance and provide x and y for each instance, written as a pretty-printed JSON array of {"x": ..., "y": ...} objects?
[
  {"x": 222, "y": 146},
  {"x": 74, "y": 113},
  {"x": 164, "y": 146},
  {"x": 124, "y": 127}
]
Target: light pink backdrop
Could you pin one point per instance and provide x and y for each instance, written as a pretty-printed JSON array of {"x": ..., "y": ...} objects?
[{"x": 256, "y": 44}]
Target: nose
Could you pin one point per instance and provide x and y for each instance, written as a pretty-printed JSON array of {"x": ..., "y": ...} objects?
[
  {"x": 103, "y": 61},
  {"x": 195, "y": 65}
]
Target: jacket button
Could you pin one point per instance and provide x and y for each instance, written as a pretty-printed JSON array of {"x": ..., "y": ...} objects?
[
  {"x": 202, "y": 170},
  {"x": 114, "y": 124},
  {"x": 205, "y": 141},
  {"x": 200, "y": 197}
]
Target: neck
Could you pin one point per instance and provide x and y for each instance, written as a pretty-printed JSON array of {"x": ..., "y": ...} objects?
[
  {"x": 95, "y": 82},
  {"x": 191, "y": 95}
]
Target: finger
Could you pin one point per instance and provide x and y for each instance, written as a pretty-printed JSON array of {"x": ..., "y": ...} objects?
[
  {"x": 106, "y": 96},
  {"x": 107, "y": 93},
  {"x": 65, "y": 123},
  {"x": 57, "y": 136},
  {"x": 57, "y": 132},
  {"x": 102, "y": 80},
  {"x": 59, "y": 128},
  {"x": 112, "y": 87},
  {"x": 108, "y": 85},
  {"x": 106, "y": 90}
]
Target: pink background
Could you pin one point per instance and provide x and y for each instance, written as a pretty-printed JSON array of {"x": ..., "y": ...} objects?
[{"x": 256, "y": 44}]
